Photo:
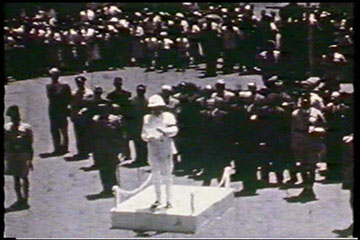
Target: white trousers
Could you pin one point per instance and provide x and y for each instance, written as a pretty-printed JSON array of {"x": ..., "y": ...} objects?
[{"x": 162, "y": 168}]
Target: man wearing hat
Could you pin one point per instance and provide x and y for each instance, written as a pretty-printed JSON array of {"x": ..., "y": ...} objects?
[
  {"x": 334, "y": 62},
  {"x": 172, "y": 103},
  {"x": 336, "y": 116},
  {"x": 164, "y": 54},
  {"x": 92, "y": 109},
  {"x": 119, "y": 96},
  {"x": 230, "y": 36},
  {"x": 347, "y": 171},
  {"x": 81, "y": 123},
  {"x": 151, "y": 47},
  {"x": 183, "y": 46},
  {"x": 210, "y": 42},
  {"x": 269, "y": 61},
  {"x": 306, "y": 143},
  {"x": 159, "y": 128},
  {"x": 59, "y": 96},
  {"x": 109, "y": 137},
  {"x": 18, "y": 139},
  {"x": 221, "y": 92}
]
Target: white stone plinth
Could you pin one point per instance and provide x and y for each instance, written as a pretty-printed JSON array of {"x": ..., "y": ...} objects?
[{"x": 135, "y": 213}]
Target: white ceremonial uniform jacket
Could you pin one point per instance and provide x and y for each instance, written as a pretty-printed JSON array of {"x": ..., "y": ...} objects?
[{"x": 161, "y": 148}]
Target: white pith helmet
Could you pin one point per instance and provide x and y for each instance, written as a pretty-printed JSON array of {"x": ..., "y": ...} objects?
[{"x": 156, "y": 101}]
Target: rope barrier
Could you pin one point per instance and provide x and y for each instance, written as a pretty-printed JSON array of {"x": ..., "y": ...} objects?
[
  {"x": 130, "y": 192},
  {"x": 119, "y": 192}
]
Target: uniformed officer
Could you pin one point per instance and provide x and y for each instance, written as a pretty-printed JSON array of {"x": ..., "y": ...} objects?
[
  {"x": 348, "y": 178},
  {"x": 334, "y": 62},
  {"x": 159, "y": 128},
  {"x": 59, "y": 96},
  {"x": 210, "y": 42},
  {"x": 222, "y": 93},
  {"x": 138, "y": 110},
  {"x": 164, "y": 54},
  {"x": 172, "y": 103},
  {"x": 269, "y": 61},
  {"x": 307, "y": 129},
  {"x": 276, "y": 126},
  {"x": 183, "y": 46},
  {"x": 79, "y": 101},
  {"x": 18, "y": 155},
  {"x": 120, "y": 96},
  {"x": 230, "y": 36},
  {"x": 109, "y": 137},
  {"x": 335, "y": 113},
  {"x": 92, "y": 109},
  {"x": 151, "y": 47}
]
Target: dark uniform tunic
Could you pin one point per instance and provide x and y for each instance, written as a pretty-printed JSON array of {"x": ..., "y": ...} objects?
[
  {"x": 80, "y": 120},
  {"x": 120, "y": 97},
  {"x": 138, "y": 111},
  {"x": 210, "y": 42},
  {"x": 108, "y": 139},
  {"x": 336, "y": 119}
]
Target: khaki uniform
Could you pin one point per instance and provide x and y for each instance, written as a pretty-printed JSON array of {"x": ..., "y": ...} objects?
[{"x": 306, "y": 147}]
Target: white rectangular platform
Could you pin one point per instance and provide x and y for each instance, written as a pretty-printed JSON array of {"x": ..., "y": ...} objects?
[{"x": 134, "y": 213}]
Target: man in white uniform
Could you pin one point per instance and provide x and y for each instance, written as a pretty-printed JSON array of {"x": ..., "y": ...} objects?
[{"x": 158, "y": 130}]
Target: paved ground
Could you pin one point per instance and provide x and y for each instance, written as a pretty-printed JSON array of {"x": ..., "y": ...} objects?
[{"x": 59, "y": 208}]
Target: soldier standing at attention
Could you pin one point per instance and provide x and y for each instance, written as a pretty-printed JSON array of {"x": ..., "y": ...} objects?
[
  {"x": 108, "y": 133},
  {"x": 80, "y": 100},
  {"x": 59, "y": 96},
  {"x": 121, "y": 97},
  {"x": 138, "y": 109},
  {"x": 307, "y": 127},
  {"x": 18, "y": 155},
  {"x": 348, "y": 179}
]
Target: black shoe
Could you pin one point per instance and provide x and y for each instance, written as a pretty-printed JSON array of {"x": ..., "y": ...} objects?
[
  {"x": 81, "y": 156},
  {"x": 155, "y": 205},
  {"x": 246, "y": 193},
  {"x": 64, "y": 150},
  {"x": 101, "y": 195},
  {"x": 106, "y": 193},
  {"x": 168, "y": 205},
  {"x": 17, "y": 206},
  {"x": 59, "y": 152},
  {"x": 306, "y": 195},
  {"x": 24, "y": 204},
  {"x": 91, "y": 168}
]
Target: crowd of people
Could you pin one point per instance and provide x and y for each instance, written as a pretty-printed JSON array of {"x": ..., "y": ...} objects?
[
  {"x": 105, "y": 36},
  {"x": 300, "y": 118}
]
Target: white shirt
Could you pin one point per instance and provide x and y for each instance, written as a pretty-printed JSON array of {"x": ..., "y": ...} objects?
[{"x": 160, "y": 145}]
